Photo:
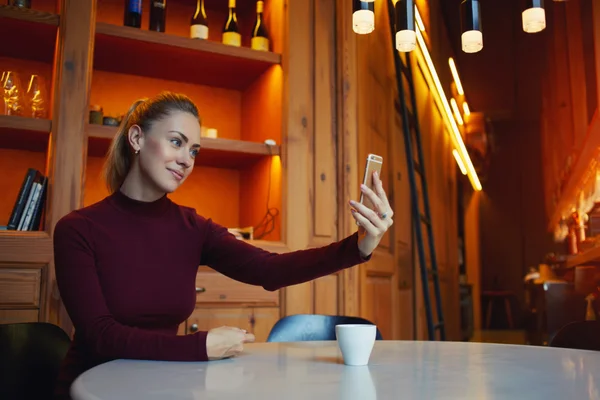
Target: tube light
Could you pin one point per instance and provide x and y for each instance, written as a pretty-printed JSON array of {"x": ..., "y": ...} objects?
[
  {"x": 459, "y": 161},
  {"x": 456, "y": 111},
  {"x": 534, "y": 16},
  {"x": 466, "y": 109},
  {"x": 453, "y": 128},
  {"x": 419, "y": 21},
  {"x": 455, "y": 76},
  {"x": 363, "y": 17}
]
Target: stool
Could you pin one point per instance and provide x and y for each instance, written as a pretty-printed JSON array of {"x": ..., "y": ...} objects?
[{"x": 495, "y": 294}]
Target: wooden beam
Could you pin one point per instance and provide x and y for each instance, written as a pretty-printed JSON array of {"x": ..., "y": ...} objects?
[{"x": 68, "y": 143}]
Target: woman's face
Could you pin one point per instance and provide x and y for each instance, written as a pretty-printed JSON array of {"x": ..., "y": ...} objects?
[{"x": 168, "y": 150}]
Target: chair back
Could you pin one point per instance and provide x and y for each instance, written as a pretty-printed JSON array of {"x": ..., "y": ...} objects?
[
  {"x": 310, "y": 327},
  {"x": 30, "y": 357}
]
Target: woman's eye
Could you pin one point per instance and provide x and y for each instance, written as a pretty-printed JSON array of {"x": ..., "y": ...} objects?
[
  {"x": 176, "y": 142},
  {"x": 194, "y": 153}
]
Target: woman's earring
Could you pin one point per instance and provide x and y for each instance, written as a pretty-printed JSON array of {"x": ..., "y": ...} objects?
[{"x": 137, "y": 151}]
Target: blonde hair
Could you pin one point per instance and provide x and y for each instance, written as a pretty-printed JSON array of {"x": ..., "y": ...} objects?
[{"x": 142, "y": 113}]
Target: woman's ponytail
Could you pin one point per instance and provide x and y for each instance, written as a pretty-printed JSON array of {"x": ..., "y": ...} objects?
[{"x": 118, "y": 159}]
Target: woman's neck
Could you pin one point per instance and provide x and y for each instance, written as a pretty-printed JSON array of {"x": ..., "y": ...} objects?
[{"x": 137, "y": 188}]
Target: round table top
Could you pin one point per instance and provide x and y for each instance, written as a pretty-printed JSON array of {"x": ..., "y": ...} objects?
[{"x": 315, "y": 370}]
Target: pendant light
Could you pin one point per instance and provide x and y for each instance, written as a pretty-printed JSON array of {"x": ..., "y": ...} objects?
[
  {"x": 363, "y": 16},
  {"x": 534, "y": 16},
  {"x": 470, "y": 24},
  {"x": 406, "y": 37}
]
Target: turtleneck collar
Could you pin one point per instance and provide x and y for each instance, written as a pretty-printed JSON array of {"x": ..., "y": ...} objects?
[{"x": 145, "y": 208}]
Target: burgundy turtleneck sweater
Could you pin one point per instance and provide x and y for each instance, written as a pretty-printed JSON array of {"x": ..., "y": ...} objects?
[{"x": 126, "y": 273}]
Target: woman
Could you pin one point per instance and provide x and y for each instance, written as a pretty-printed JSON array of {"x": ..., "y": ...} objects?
[{"x": 126, "y": 266}]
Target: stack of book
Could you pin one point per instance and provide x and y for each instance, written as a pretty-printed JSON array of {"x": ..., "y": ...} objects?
[{"x": 29, "y": 205}]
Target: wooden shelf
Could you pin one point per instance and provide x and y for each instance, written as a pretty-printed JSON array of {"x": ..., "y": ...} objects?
[
  {"x": 28, "y": 34},
  {"x": 127, "y": 50},
  {"x": 20, "y": 133},
  {"x": 590, "y": 151},
  {"x": 25, "y": 247},
  {"x": 589, "y": 256},
  {"x": 220, "y": 153}
]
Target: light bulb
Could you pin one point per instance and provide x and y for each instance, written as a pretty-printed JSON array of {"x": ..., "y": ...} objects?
[
  {"x": 406, "y": 40},
  {"x": 363, "y": 17},
  {"x": 534, "y": 19},
  {"x": 472, "y": 41}
]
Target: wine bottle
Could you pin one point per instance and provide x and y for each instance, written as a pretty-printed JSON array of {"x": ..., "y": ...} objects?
[
  {"x": 158, "y": 14},
  {"x": 231, "y": 31},
  {"x": 260, "y": 36},
  {"x": 133, "y": 13},
  {"x": 199, "y": 23}
]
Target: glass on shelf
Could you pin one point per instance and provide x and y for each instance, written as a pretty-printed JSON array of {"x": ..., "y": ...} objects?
[
  {"x": 20, "y": 3},
  {"x": 12, "y": 94},
  {"x": 36, "y": 97}
]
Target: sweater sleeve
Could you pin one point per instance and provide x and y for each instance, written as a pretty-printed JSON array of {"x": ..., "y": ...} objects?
[
  {"x": 249, "y": 264},
  {"x": 81, "y": 293}
]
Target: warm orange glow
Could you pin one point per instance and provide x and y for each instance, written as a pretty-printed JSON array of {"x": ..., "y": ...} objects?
[{"x": 460, "y": 163}]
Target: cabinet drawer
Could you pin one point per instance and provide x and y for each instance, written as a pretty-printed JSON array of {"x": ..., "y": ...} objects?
[
  {"x": 20, "y": 287},
  {"x": 18, "y": 316},
  {"x": 212, "y": 287}
]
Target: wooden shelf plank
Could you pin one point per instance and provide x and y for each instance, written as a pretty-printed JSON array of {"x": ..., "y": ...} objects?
[
  {"x": 590, "y": 151},
  {"x": 28, "y": 34},
  {"x": 25, "y": 247},
  {"x": 220, "y": 153},
  {"x": 20, "y": 133},
  {"x": 589, "y": 256},
  {"x": 135, "y": 51}
]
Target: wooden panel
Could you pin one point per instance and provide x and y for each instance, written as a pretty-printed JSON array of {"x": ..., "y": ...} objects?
[
  {"x": 25, "y": 247},
  {"x": 20, "y": 287},
  {"x": 298, "y": 92},
  {"x": 66, "y": 167},
  {"x": 323, "y": 146},
  {"x": 263, "y": 320},
  {"x": 377, "y": 307},
  {"x": 216, "y": 288},
  {"x": 348, "y": 166},
  {"x": 326, "y": 295},
  {"x": 18, "y": 316}
]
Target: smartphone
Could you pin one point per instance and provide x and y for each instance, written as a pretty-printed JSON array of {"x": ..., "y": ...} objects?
[{"x": 374, "y": 163}]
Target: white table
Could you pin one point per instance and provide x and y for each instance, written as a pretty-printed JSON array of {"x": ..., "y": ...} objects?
[{"x": 397, "y": 370}]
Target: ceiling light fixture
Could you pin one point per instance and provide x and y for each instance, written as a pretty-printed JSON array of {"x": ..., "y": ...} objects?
[
  {"x": 470, "y": 25},
  {"x": 534, "y": 16},
  {"x": 363, "y": 17},
  {"x": 406, "y": 38}
]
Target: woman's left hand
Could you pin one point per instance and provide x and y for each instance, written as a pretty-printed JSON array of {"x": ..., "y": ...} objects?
[{"x": 373, "y": 224}]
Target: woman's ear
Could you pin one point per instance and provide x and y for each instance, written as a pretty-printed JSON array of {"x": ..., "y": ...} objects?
[{"x": 135, "y": 137}]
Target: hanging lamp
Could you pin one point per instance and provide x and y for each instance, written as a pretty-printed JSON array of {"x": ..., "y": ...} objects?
[
  {"x": 406, "y": 37},
  {"x": 363, "y": 16},
  {"x": 470, "y": 26},
  {"x": 534, "y": 16}
]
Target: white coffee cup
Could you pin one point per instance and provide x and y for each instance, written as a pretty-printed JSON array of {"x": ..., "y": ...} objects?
[{"x": 356, "y": 342}]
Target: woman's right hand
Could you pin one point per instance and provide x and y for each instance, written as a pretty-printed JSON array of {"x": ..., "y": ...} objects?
[{"x": 225, "y": 342}]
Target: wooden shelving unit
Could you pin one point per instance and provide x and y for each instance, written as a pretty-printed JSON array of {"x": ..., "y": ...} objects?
[
  {"x": 21, "y": 133},
  {"x": 215, "y": 152}
]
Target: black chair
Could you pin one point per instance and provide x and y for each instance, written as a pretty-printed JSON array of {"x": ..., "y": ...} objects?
[
  {"x": 582, "y": 335},
  {"x": 30, "y": 357},
  {"x": 310, "y": 327}
]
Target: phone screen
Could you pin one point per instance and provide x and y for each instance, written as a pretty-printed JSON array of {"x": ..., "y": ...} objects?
[{"x": 374, "y": 163}]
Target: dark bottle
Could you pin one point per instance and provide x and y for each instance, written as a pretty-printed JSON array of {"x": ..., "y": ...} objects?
[
  {"x": 260, "y": 36},
  {"x": 133, "y": 13},
  {"x": 199, "y": 22},
  {"x": 158, "y": 15}
]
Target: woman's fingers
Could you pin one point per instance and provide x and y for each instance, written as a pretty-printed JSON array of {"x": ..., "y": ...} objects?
[
  {"x": 369, "y": 215},
  {"x": 382, "y": 195}
]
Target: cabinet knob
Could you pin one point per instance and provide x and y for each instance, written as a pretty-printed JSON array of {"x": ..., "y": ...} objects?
[
  {"x": 194, "y": 328},
  {"x": 200, "y": 290}
]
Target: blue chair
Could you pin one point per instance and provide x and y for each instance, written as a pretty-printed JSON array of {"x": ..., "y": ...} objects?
[
  {"x": 30, "y": 357},
  {"x": 310, "y": 327}
]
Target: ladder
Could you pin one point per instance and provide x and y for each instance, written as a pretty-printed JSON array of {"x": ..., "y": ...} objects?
[{"x": 411, "y": 128}]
